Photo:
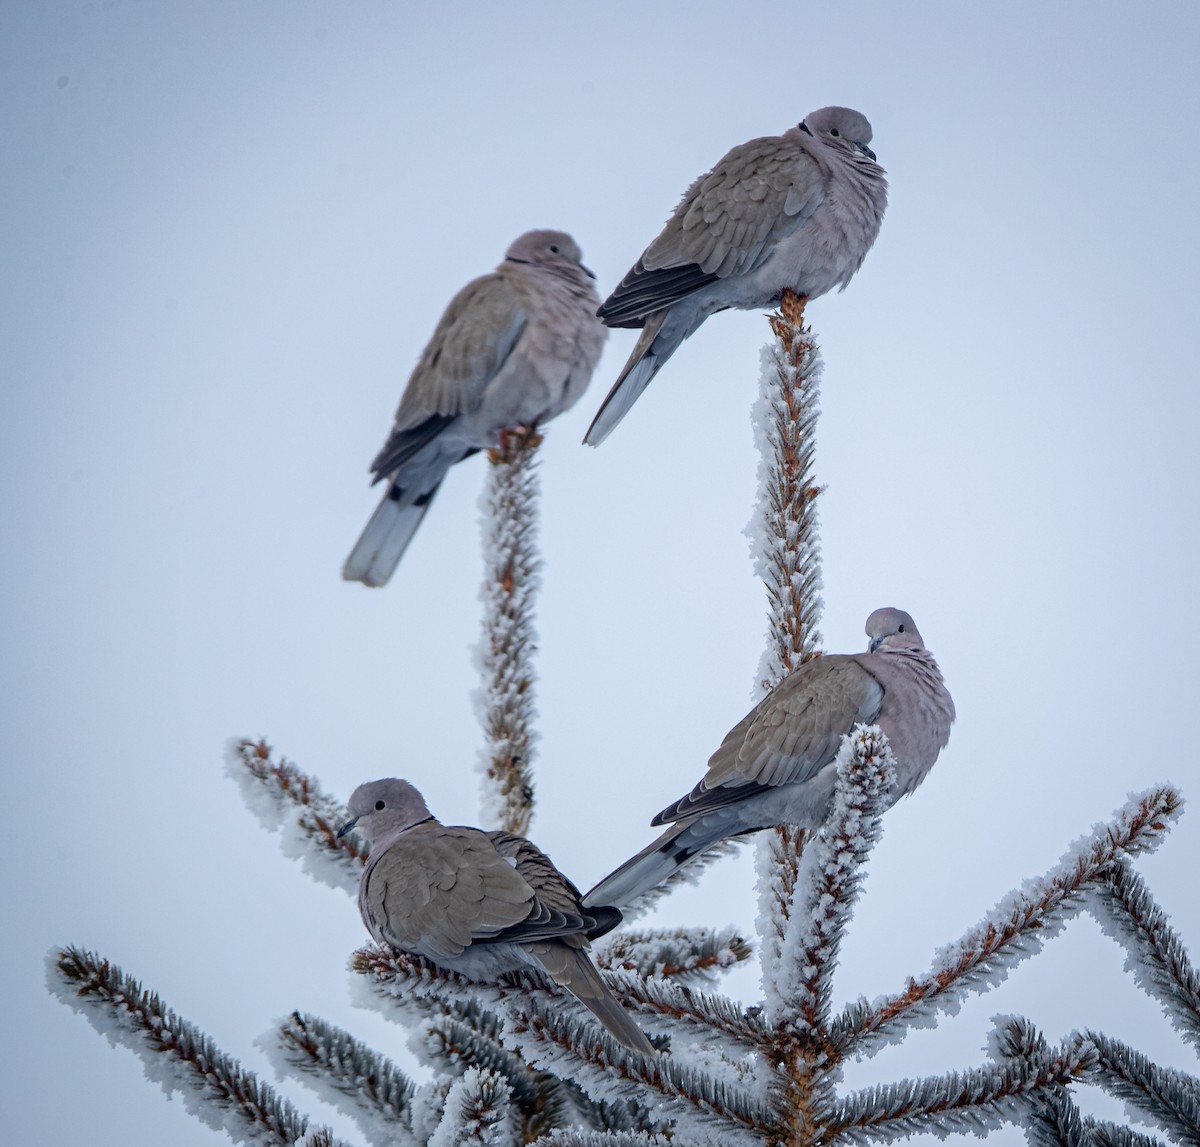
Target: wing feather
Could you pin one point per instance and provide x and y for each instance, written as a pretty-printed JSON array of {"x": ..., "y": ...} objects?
[
  {"x": 475, "y": 336},
  {"x": 792, "y": 734},
  {"x": 437, "y": 890},
  {"x": 757, "y": 194}
]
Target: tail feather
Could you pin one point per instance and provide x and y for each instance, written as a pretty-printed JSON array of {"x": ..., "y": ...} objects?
[
  {"x": 657, "y": 861},
  {"x": 644, "y": 363},
  {"x": 385, "y": 538},
  {"x": 572, "y": 969}
]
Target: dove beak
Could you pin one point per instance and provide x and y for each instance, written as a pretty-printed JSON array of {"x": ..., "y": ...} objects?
[
  {"x": 804, "y": 128},
  {"x": 346, "y": 828},
  {"x": 872, "y": 645},
  {"x": 866, "y": 151},
  {"x": 587, "y": 271}
]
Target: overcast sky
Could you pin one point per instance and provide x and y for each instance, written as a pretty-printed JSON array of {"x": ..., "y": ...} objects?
[{"x": 228, "y": 230}]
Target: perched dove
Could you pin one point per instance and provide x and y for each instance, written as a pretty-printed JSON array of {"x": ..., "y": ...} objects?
[
  {"x": 479, "y": 903},
  {"x": 513, "y": 349},
  {"x": 776, "y": 765},
  {"x": 796, "y": 211}
]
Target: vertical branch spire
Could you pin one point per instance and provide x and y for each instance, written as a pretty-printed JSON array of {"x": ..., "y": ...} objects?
[
  {"x": 788, "y": 552},
  {"x": 511, "y": 582},
  {"x": 787, "y": 556},
  {"x": 866, "y": 771}
]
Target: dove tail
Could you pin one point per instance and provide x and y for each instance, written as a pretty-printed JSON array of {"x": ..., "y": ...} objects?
[
  {"x": 573, "y": 970},
  {"x": 649, "y": 353},
  {"x": 655, "y": 863},
  {"x": 382, "y": 544}
]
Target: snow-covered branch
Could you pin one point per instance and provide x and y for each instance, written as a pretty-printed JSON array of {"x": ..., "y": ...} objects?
[
  {"x": 601, "y": 1139},
  {"x": 511, "y": 582},
  {"x": 715, "y": 1015},
  {"x": 693, "y": 1097},
  {"x": 1158, "y": 959},
  {"x": 286, "y": 799},
  {"x": 800, "y": 992},
  {"x": 787, "y": 556},
  {"x": 348, "y": 1074},
  {"x": 1168, "y": 1097},
  {"x": 784, "y": 539},
  {"x": 973, "y": 1101},
  {"x": 477, "y": 1111},
  {"x": 1052, "y": 1118},
  {"x": 412, "y": 981},
  {"x": 1015, "y": 930},
  {"x": 780, "y": 856},
  {"x": 215, "y": 1087},
  {"x": 678, "y": 954},
  {"x": 566, "y": 1041}
]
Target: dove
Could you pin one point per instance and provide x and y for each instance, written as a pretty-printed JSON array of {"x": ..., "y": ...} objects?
[
  {"x": 475, "y": 902},
  {"x": 777, "y": 765},
  {"x": 797, "y": 211},
  {"x": 514, "y": 348}
]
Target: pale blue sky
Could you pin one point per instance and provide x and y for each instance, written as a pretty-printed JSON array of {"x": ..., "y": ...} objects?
[{"x": 228, "y": 230}]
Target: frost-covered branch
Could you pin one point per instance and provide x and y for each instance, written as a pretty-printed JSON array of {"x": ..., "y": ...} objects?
[
  {"x": 342, "y": 1068},
  {"x": 566, "y": 1041},
  {"x": 215, "y": 1086},
  {"x": 785, "y": 543},
  {"x": 1053, "y": 1120},
  {"x": 814, "y": 929},
  {"x": 464, "y": 1026},
  {"x": 283, "y": 797},
  {"x": 1158, "y": 960},
  {"x": 787, "y": 556},
  {"x": 972, "y": 1101},
  {"x": 678, "y": 954},
  {"x": 409, "y": 981},
  {"x": 471, "y": 1034},
  {"x": 1015, "y": 930},
  {"x": 806, "y": 924},
  {"x": 780, "y": 855},
  {"x": 1101, "y": 1133},
  {"x": 477, "y": 1111},
  {"x": 715, "y": 1015},
  {"x": 511, "y": 582},
  {"x": 1168, "y": 1097},
  {"x": 468, "y": 1033},
  {"x": 1051, "y": 1117},
  {"x": 693, "y": 1097},
  {"x": 601, "y": 1139}
]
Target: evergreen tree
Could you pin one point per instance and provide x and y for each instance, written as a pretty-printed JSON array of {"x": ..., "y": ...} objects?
[{"x": 520, "y": 1062}]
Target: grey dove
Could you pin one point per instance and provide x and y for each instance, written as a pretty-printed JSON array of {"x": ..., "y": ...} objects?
[
  {"x": 797, "y": 211},
  {"x": 480, "y": 903},
  {"x": 777, "y": 764},
  {"x": 514, "y": 348}
]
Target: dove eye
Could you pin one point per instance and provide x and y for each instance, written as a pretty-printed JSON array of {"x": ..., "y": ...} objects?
[
  {"x": 900, "y": 630},
  {"x": 379, "y": 805},
  {"x": 554, "y": 248},
  {"x": 834, "y": 131}
]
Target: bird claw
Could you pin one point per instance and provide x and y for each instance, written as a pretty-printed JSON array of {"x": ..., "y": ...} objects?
[{"x": 511, "y": 440}]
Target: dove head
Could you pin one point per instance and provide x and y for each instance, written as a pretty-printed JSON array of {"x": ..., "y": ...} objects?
[
  {"x": 840, "y": 127},
  {"x": 382, "y": 808},
  {"x": 547, "y": 249},
  {"x": 890, "y": 628}
]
